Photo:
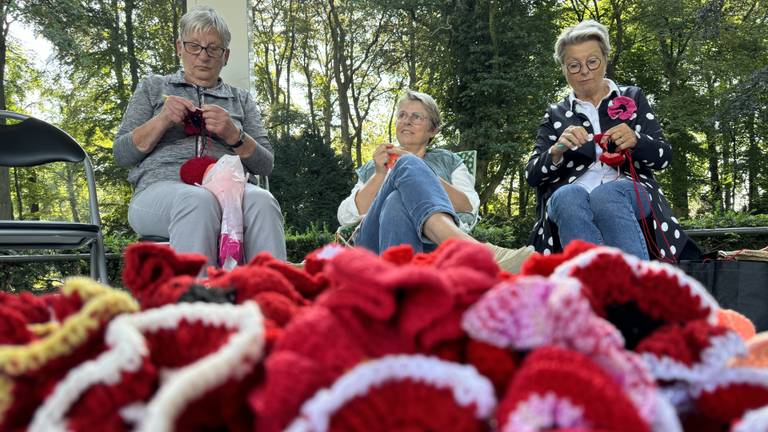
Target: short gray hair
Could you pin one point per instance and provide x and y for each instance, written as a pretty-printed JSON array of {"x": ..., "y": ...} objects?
[
  {"x": 433, "y": 112},
  {"x": 202, "y": 19},
  {"x": 582, "y": 32}
]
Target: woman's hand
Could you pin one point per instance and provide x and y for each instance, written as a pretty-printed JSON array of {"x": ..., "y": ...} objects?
[
  {"x": 572, "y": 138},
  {"x": 622, "y": 136},
  {"x": 219, "y": 123},
  {"x": 175, "y": 109},
  {"x": 381, "y": 157}
]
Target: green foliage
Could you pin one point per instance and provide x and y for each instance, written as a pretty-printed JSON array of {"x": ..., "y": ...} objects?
[
  {"x": 299, "y": 244},
  {"x": 309, "y": 180}
]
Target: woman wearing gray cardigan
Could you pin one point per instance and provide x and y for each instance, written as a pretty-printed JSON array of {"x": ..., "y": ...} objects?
[{"x": 153, "y": 142}]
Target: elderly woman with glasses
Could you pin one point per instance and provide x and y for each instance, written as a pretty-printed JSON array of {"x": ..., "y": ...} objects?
[
  {"x": 411, "y": 194},
  {"x": 594, "y": 158},
  {"x": 171, "y": 119}
]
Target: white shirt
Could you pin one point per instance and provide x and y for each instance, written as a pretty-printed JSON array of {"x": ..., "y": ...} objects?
[
  {"x": 598, "y": 173},
  {"x": 461, "y": 179}
]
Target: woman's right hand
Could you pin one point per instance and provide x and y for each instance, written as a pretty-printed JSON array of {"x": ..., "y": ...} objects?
[
  {"x": 381, "y": 157},
  {"x": 175, "y": 109},
  {"x": 572, "y": 138}
]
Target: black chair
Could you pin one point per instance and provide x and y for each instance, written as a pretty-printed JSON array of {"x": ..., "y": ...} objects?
[{"x": 33, "y": 142}]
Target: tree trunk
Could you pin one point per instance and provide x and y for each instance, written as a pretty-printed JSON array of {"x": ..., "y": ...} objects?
[
  {"x": 71, "y": 192},
  {"x": 753, "y": 165},
  {"x": 133, "y": 63},
  {"x": 6, "y": 207},
  {"x": 523, "y": 193},
  {"x": 115, "y": 47},
  {"x": 338, "y": 39}
]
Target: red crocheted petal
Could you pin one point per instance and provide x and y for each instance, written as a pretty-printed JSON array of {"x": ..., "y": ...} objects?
[
  {"x": 405, "y": 405},
  {"x": 728, "y": 404},
  {"x": 460, "y": 253},
  {"x": 276, "y": 307},
  {"x": 251, "y": 280},
  {"x": 544, "y": 265},
  {"x": 398, "y": 255},
  {"x": 185, "y": 344},
  {"x": 497, "y": 364},
  {"x": 13, "y": 327},
  {"x": 303, "y": 282},
  {"x": 32, "y": 308},
  {"x": 575, "y": 377},
  {"x": 147, "y": 265},
  {"x": 290, "y": 379}
]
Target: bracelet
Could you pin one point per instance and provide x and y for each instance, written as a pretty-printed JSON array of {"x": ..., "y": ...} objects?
[{"x": 239, "y": 142}]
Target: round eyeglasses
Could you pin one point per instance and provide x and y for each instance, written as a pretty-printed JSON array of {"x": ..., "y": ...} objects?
[
  {"x": 415, "y": 117},
  {"x": 592, "y": 63},
  {"x": 196, "y": 49}
]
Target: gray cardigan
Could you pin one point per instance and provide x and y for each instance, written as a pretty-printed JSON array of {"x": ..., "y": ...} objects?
[{"x": 175, "y": 147}]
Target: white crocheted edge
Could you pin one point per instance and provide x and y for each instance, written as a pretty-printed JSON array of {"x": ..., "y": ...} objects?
[
  {"x": 666, "y": 419},
  {"x": 466, "y": 384},
  {"x": 712, "y": 360},
  {"x": 544, "y": 412},
  {"x": 753, "y": 421},
  {"x": 727, "y": 377},
  {"x": 640, "y": 268},
  {"x": 128, "y": 348}
]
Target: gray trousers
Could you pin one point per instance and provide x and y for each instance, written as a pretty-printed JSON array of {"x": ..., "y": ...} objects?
[{"x": 190, "y": 217}]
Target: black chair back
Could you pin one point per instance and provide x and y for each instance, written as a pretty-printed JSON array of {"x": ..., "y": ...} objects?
[{"x": 34, "y": 142}]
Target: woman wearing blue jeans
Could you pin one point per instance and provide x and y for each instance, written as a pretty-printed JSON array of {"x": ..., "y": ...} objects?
[
  {"x": 581, "y": 197},
  {"x": 409, "y": 194}
]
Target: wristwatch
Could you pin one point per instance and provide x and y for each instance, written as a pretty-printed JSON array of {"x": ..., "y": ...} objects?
[{"x": 240, "y": 140}]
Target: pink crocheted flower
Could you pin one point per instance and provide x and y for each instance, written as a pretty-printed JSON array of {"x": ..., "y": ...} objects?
[{"x": 622, "y": 107}]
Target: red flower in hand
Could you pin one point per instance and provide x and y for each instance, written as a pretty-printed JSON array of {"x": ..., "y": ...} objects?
[
  {"x": 622, "y": 107},
  {"x": 609, "y": 157}
]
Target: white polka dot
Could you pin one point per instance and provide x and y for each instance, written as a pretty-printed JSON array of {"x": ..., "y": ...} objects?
[
  {"x": 544, "y": 170},
  {"x": 553, "y": 106},
  {"x": 569, "y": 114},
  {"x": 663, "y": 253},
  {"x": 643, "y": 176},
  {"x": 650, "y": 197},
  {"x": 550, "y": 242},
  {"x": 546, "y": 115},
  {"x": 590, "y": 137},
  {"x": 637, "y": 134},
  {"x": 673, "y": 249},
  {"x": 634, "y": 116},
  {"x": 569, "y": 164},
  {"x": 661, "y": 191},
  {"x": 580, "y": 167},
  {"x": 545, "y": 178},
  {"x": 587, "y": 124},
  {"x": 650, "y": 137},
  {"x": 674, "y": 219},
  {"x": 637, "y": 164},
  {"x": 570, "y": 180},
  {"x": 677, "y": 234},
  {"x": 556, "y": 179},
  {"x": 664, "y": 165},
  {"x": 638, "y": 128},
  {"x": 610, "y": 103},
  {"x": 654, "y": 225},
  {"x": 552, "y": 137},
  {"x": 650, "y": 164},
  {"x": 557, "y": 125},
  {"x": 661, "y": 152},
  {"x": 664, "y": 226},
  {"x": 552, "y": 167},
  {"x": 541, "y": 230},
  {"x": 547, "y": 252},
  {"x": 649, "y": 116}
]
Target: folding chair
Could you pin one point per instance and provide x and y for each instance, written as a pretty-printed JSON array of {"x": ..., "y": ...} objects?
[{"x": 33, "y": 142}]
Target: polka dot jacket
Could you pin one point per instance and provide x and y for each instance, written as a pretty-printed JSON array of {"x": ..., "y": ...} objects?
[{"x": 651, "y": 153}]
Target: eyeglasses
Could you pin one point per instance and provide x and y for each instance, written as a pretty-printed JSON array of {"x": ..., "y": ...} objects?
[
  {"x": 575, "y": 66},
  {"x": 196, "y": 49},
  {"x": 415, "y": 117}
]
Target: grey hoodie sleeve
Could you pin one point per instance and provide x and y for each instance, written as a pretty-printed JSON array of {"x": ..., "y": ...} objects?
[
  {"x": 262, "y": 160},
  {"x": 139, "y": 111}
]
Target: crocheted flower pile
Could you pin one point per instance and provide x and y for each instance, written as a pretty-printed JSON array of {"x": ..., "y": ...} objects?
[{"x": 590, "y": 340}]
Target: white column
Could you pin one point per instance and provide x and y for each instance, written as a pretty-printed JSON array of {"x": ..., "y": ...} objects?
[{"x": 237, "y": 72}]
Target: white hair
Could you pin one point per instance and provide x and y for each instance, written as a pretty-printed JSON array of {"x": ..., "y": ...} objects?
[
  {"x": 433, "y": 112},
  {"x": 202, "y": 19},
  {"x": 582, "y": 32}
]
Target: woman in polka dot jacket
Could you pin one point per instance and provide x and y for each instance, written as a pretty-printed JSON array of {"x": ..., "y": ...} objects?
[{"x": 579, "y": 196}]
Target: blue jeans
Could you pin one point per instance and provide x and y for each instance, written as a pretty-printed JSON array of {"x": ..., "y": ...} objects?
[
  {"x": 409, "y": 196},
  {"x": 608, "y": 215}
]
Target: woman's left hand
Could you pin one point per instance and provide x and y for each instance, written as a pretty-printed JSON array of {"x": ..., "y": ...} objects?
[
  {"x": 622, "y": 136},
  {"x": 218, "y": 122}
]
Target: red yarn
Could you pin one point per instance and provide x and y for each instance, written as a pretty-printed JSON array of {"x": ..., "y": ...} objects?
[
  {"x": 682, "y": 342},
  {"x": 398, "y": 255},
  {"x": 573, "y": 376},
  {"x": 193, "y": 170},
  {"x": 13, "y": 327},
  {"x": 544, "y": 265},
  {"x": 727, "y": 404},
  {"x": 31, "y": 308},
  {"x": 497, "y": 364},
  {"x": 614, "y": 159},
  {"x": 405, "y": 405}
]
